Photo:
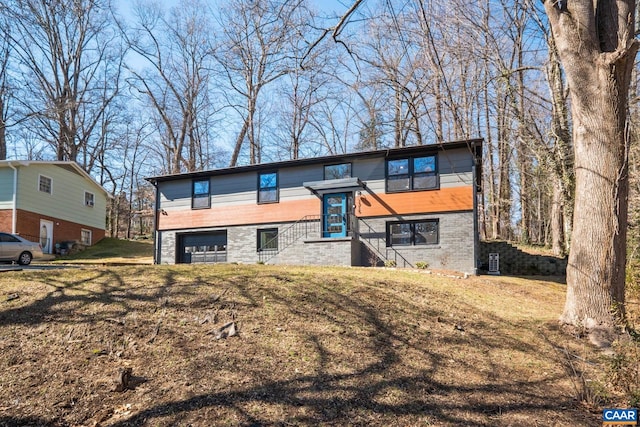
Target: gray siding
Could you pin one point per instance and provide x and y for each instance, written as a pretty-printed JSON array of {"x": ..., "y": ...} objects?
[
  {"x": 6, "y": 188},
  {"x": 455, "y": 168}
]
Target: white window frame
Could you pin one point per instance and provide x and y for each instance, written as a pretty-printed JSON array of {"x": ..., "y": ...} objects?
[
  {"x": 93, "y": 199},
  {"x": 40, "y": 176},
  {"x": 82, "y": 232}
]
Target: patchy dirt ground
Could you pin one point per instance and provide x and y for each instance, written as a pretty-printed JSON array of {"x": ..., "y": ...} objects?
[{"x": 131, "y": 346}]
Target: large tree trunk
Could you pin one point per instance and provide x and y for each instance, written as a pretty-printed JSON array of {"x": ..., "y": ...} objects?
[
  {"x": 596, "y": 45},
  {"x": 596, "y": 270}
]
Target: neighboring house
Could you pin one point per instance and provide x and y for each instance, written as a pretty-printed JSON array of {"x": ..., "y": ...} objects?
[
  {"x": 404, "y": 206},
  {"x": 51, "y": 202}
]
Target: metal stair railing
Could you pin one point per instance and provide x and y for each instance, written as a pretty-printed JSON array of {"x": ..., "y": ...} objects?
[
  {"x": 301, "y": 228},
  {"x": 382, "y": 252}
]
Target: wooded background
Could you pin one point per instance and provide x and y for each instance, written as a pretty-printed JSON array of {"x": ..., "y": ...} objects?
[{"x": 135, "y": 90}]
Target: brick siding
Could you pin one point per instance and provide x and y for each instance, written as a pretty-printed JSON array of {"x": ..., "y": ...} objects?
[{"x": 28, "y": 225}]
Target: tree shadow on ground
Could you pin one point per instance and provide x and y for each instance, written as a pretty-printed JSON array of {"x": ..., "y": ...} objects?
[{"x": 376, "y": 353}]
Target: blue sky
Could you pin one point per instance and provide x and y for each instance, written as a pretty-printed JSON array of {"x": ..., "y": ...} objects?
[{"x": 337, "y": 7}]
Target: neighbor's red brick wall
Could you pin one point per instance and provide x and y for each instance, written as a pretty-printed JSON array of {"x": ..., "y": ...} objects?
[
  {"x": 5, "y": 220},
  {"x": 28, "y": 224}
]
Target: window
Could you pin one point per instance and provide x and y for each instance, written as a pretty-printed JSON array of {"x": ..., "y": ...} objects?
[
  {"x": 412, "y": 173},
  {"x": 85, "y": 237},
  {"x": 267, "y": 239},
  {"x": 8, "y": 238},
  {"x": 200, "y": 194},
  {"x": 88, "y": 199},
  {"x": 44, "y": 184},
  {"x": 342, "y": 170},
  {"x": 411, "y": 233},
  {"x": 268, "y": 187}
]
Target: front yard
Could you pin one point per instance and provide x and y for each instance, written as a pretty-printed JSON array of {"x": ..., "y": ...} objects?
[{"x": 312, "y": 346}]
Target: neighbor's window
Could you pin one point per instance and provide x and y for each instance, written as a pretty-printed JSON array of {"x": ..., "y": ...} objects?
[
  {"x": 85, "y": 237},
  {"x": 342, "y": 170},
  {"x": 267, "y": 239},
  {"x": 412, "y": 173},
  {"x": 268, "y": 187},
  {"x": 89, "y": 199},
  {"x": 411, "y": 233},
  {"x": 201, "y": 195},
  {"x": 44, "y": 184}
]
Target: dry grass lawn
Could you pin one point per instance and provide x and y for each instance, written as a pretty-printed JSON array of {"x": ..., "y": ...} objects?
[{"x": 315, "y": 346}]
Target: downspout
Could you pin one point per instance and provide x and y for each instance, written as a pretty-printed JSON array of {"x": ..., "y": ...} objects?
[
  {"x": 476, "y": 236},
  {"x": 156, "y": 249},
  {"x": 14, "y": 214}
]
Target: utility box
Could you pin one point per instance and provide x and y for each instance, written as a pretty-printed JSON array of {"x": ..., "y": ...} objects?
[{"x": 494, "y": 263}]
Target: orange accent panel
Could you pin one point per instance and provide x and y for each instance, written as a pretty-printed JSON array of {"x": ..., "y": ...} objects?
[
  {"x": 218, "y": 216},
  {"x": 415, "y": 202}
]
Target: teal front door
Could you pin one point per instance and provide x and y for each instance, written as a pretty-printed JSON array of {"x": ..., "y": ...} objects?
[{"x": 334, "y": 209}]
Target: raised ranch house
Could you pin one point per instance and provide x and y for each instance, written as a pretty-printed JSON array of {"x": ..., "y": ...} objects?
[
  {"x": 404, "y": 206},
  {"x": 51, "y": 202}
]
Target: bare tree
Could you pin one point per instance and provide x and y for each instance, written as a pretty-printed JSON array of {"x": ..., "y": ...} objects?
[
  {"x": 255, "y": 51},
  {"x": 597, "y": 48},
  {"x": 561, "y": 156},
  {"x": 71, "y": 55},
  {"x": 172, "y": 72},
  {"x": 4, "y": 86}
]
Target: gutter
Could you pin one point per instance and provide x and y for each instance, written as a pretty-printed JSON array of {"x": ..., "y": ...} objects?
[{"x": 14, "y": 215}]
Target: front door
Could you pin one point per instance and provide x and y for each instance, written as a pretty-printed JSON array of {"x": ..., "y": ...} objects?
[
  {"x": 46, "y": 236},
  {"x": 334, "y": 209}
]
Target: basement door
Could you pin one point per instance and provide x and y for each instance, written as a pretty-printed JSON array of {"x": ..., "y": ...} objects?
[{"x": 46, "y": 236}]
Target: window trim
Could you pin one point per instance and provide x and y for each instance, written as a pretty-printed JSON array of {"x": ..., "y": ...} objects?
[
  {"x": 40, "y": 176},
  {"x": 83, "y": 230},
  {"x": 411, "y": 174},
  {"x": 276, "y": 188},
  {"x": 93, "y": 199},
  {"x": 324, "y": 170},
  {"x": 199, "y": 196},
  {"x": 258, "y": 240},
  {"x": 412, "y": 223}
]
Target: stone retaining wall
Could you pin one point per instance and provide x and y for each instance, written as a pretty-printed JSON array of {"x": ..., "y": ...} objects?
[{"x": 514, "y": 261}]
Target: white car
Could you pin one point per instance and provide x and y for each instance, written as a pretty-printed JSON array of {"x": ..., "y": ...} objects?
[{"x": 17, "y": 249}]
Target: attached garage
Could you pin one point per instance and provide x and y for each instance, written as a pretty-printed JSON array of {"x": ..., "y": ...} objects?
[{"x": 204, "y": 247}]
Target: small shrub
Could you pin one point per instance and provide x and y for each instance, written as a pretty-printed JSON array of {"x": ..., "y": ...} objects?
[
  {"x": 624, "y": 369},
  {"x": 422, "y": 265},
  {"x": 390, "y": 263}
]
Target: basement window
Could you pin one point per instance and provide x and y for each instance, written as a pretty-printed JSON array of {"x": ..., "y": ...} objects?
[{"x": 413, "y": 233}]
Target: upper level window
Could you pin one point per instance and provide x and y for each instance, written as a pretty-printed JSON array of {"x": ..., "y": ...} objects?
[
  {"x": 89, "y": 199},
  {"x": 268, "y": 187},
  {"x": 342, "y": 170},
  {"x": 412, "y": 173},
  {"x": 411, "y": 233},
  {"x": 200, "y": 194},
  {"x": 44, "y": 184}
]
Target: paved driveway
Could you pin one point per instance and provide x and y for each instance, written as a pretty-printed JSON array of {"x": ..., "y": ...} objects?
[{"x": 4, "y": 268}]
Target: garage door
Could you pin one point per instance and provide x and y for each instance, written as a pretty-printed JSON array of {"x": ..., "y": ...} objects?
[{"x": 206, "y": 247}]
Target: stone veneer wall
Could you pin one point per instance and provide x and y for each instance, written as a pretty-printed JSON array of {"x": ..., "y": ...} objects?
[
  {"x": 454, "y": 251},
  {"x": 513, "y": 261},
  {"x": 366, "y": 246}
]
